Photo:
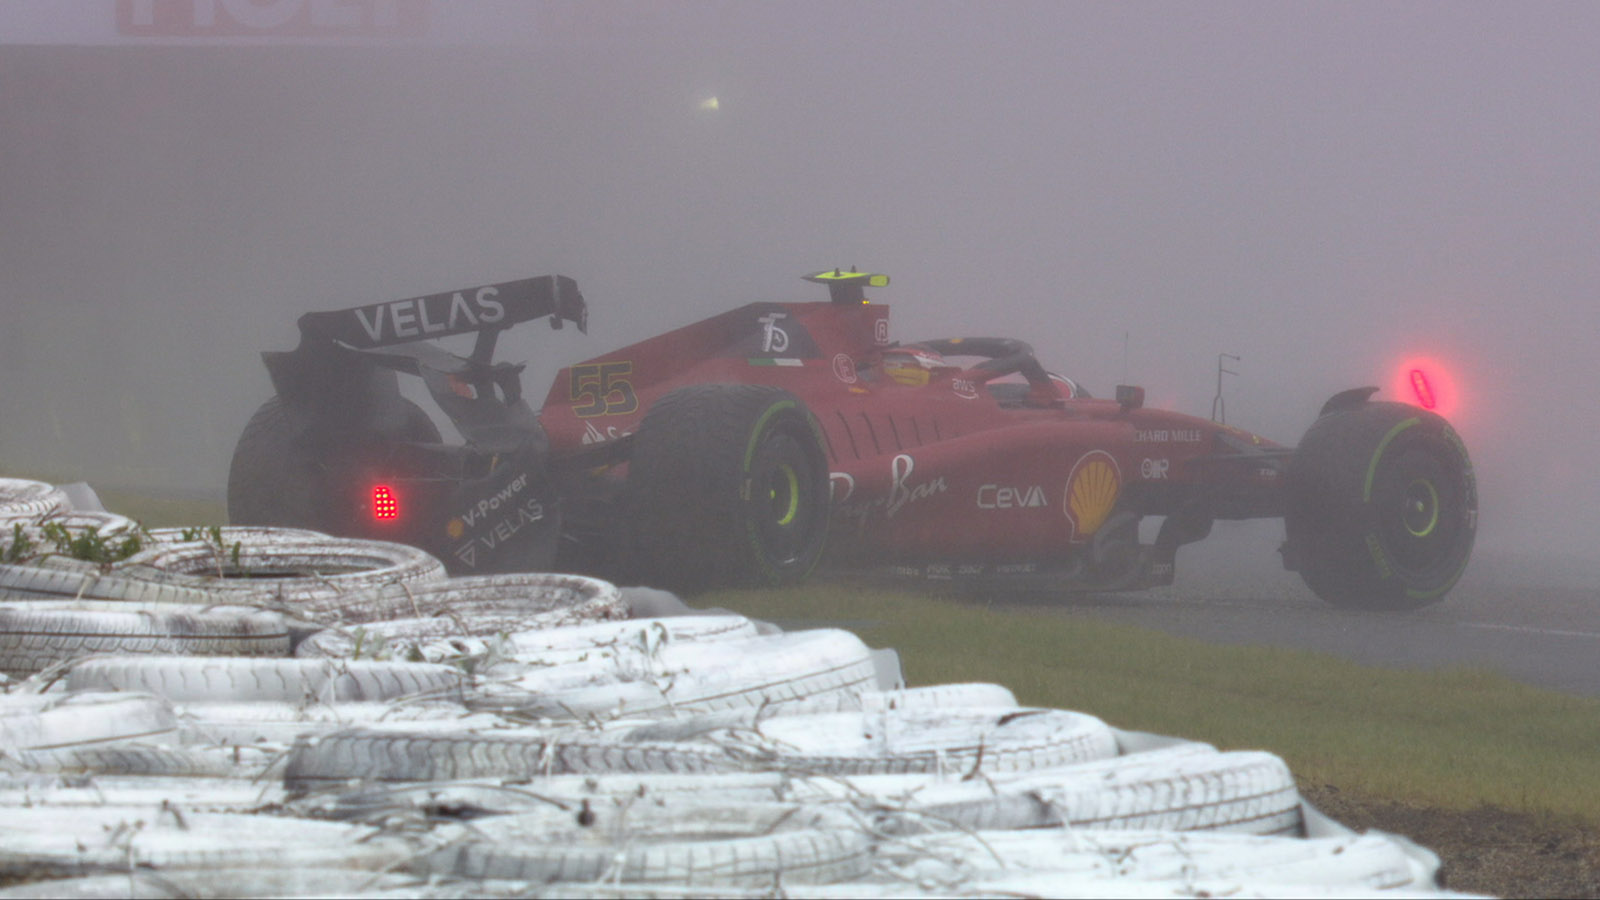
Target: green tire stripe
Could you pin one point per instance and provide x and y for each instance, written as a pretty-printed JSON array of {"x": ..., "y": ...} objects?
[
  {"x": 1372, "y": 466},
  {"x": 761, "y": 423}
]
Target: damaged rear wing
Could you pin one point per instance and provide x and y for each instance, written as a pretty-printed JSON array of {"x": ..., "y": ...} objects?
[{"x": 476, "y": 309}]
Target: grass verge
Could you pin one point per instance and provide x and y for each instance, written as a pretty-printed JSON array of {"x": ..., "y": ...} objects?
[{"x": 1451, "y": 739}]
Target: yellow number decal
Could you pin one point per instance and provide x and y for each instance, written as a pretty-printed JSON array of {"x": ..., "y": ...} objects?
[{"x": 603, "y": 390}]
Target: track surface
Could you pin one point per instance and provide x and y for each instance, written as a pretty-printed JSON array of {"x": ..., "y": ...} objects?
[{"x": 1537, "y": 621}]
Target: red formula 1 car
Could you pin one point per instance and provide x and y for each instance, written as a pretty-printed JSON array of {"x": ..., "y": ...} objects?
[{"x": 753, "y": 446}]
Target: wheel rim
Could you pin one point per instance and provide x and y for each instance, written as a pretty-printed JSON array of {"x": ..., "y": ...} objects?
[
  {"x": 1417, "y": 519},
  {"x": 783, "y": 495},
  {"x": 1421, "y": 512},
  {"x": 784, "y": 518}
]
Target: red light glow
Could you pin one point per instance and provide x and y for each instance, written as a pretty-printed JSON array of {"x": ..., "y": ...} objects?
[
  {"x": 385, "y": 505},
  {"x": 1423, "y": 390},
  {"x": 1427, "y": 383}
]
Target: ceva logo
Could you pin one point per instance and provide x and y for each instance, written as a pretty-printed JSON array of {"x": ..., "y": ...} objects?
[
  {"x": 999, "y": 496},
  {"x": 272, "y": 18}
]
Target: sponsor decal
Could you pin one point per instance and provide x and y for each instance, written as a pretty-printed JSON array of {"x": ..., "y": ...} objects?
[
  {"x": 902, "y": 491},
  {"x": 272, "y": 18},
  {"x": 487, "y": 505},
  {"x": 498, "y": 516},
  {"x": 773, "y": 338},
  {"x": 593, "y": 435},
  {"x": 1091, "y": 492},
  {"x": 423, "y": 316},
  {"x": 1154, "y": 469},
  {"x": 844, "y": 368},
  {"x": 1167, "y": 436},
  {"x": 775, "y": 361},
  {"x": 999, "y": 496},
  {"x": 529, "y": 511},
  {"x": 964, "y": 388},
  {"x": 602, "y": 389},
  {"x": 880, "y": 332},
  {"x": 835, "y": 479}
]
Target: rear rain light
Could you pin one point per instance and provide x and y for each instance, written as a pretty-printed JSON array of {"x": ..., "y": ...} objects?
[
  {"x": 1423, "y": 390},
  {"x": 1428, "y": 382},
  {"x": 385, "y": 505}
]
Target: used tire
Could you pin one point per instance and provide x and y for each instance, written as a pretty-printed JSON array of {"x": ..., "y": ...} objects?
[
  {"x": 22, "y": 498},
  {"x": 1381, "y": 507},
  {"x": 694, "y": 845},
  {"x": 187, "y": 679},
  {"x": 304, "y": 572},
  {"x": 728, "y": 485},
  {"x": 34, "y": 636}
]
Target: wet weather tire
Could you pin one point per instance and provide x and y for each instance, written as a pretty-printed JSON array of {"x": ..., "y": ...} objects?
[
  {"x": 1381, "y": 507},
  {"x": 728, "y": 486},
  {"x": 275, "y": 477}
]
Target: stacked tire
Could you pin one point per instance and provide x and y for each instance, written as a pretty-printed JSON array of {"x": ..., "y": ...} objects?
[{"x": 266, "y": 712}]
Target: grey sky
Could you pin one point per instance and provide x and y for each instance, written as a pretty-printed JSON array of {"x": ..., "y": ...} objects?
[{"x": 1322, "y": 189}]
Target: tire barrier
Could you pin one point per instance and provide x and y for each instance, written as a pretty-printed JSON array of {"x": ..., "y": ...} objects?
[
  {"x": 481, "y": 604},
  {"x": 767, "y": 670},
  {"x": 695, "y": 845},
  {"x": 34, "y": 636},
  {"x": 24, "y": 499},
  {"x": 301, "y": 570},
  {"x": 252, "y": 711},
  {"x": 224, "y": 679}
]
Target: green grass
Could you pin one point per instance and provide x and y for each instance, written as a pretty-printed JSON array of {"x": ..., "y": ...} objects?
[
  {"x": 153, "y": 509},
  {"x": 162, "y": 512},
  {"x": 1454, "y": 739}
]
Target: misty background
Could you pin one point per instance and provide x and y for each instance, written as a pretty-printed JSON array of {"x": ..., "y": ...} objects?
[{"x": 1326, "y": 190}]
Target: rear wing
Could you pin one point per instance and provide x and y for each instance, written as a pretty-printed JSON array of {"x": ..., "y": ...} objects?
[
  {"x": 339, "y": 363},
  {"x": 476, "y": 309}
]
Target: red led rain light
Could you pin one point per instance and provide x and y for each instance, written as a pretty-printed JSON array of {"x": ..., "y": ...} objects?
[
  {"x": 1424, "y": 390},
  {"x": 384, "y": 503}
]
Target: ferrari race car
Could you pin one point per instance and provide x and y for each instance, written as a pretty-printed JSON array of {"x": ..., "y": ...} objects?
[{"x": 750, "y": 447}]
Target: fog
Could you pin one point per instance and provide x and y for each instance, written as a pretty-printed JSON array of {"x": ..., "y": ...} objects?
[{"x": 1322, "y": 189}]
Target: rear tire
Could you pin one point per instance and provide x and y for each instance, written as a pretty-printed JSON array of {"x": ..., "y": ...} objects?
[
  {"x": 1381, "y": 507},
  {"x": 728, "y": 485},
  {"x": 276, "y": 477}
]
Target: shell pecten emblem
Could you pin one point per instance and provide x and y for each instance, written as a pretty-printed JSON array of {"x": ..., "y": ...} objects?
[{"x": 1091, "y": 493}]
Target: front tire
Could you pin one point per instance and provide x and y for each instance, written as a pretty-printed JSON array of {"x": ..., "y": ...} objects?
[
  {"x": 1381, "y": 507},
  {"x": 728, "y": 485}
]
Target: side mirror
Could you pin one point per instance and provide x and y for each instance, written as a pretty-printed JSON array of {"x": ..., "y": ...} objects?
[{"x": 1130, "y": 397}]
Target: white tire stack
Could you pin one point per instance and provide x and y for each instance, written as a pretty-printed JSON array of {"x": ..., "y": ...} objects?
[{"x": 514, "y": 733}]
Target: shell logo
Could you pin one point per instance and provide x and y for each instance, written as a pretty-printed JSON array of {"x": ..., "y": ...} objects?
[
  {"x": 1092, "y": 490},
  {"x": 455, "y": 529}
]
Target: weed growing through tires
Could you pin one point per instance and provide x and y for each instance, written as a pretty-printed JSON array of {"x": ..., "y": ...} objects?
[
  {"x": 212, "y": 537},
  {"x": 86, "y": 544}
]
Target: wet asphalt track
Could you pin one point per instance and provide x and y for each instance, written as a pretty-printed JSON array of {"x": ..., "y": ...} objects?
[{"x": 1533, "y": 620}]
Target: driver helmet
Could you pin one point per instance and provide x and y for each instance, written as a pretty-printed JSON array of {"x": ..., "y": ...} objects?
[{"x": 911, "y": 365}]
